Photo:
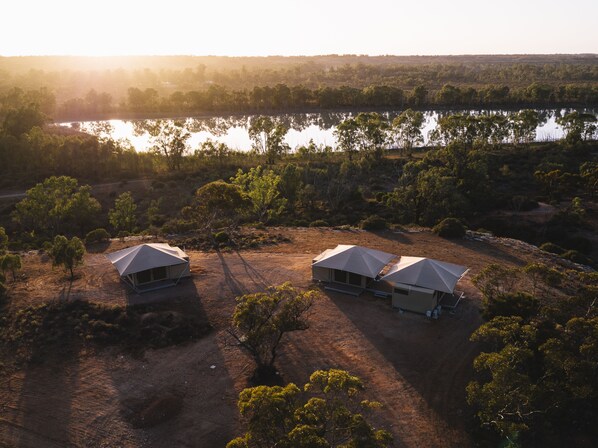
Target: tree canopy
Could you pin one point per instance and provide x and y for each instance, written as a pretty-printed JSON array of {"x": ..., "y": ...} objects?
[{"x": 329, "y": 412}]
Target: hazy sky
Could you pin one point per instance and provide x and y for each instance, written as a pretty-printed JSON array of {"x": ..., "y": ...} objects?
[{"x": 289, "y": 27}]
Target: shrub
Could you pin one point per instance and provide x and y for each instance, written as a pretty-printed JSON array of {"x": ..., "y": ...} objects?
[
  {"x": 579, "y": 243},
  {"x": 97, "y": 236},
  {"x": 552, "y": 248},
  {"x": 576, "y": 257},
  {"x": 221, "y": 237},
  {"x": 123, "y": 234},
  {"x": 450, "y": 228},
  {"x": 319, "y": 223},
  {"x": 511, "y": 304},
  {"x": 373, "y": 222}
]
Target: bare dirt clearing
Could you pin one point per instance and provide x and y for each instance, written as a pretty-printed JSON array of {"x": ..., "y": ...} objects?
[{"x": 416, "y": 367}]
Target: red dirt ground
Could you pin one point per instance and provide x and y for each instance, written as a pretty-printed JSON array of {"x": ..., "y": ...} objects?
[{"x": 416, "y": 367}]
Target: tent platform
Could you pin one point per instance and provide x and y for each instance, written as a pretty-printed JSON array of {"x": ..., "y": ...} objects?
[
  {"x": 451, "y": 301},
  {"x": 139, "y": 289},
  {"x": 345, "y": 289}
]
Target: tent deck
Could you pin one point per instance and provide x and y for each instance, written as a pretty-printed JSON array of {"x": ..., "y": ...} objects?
[
  {"x": 167, "y": 283},
  {"x": 345, "y": 289},
  {"x": 451, "y": 301}
]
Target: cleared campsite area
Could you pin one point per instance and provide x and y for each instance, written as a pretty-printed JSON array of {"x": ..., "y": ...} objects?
[{"x": 416, "y": 367}]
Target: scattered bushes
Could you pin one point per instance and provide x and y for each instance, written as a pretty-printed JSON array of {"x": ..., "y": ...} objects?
[
  {"x": 97, "y": 236},
  {"x": 38, "y": 328},
  {"x": 450, "y": 228},
  {"x": 373, "y": 222},
  {"x": 576, "y": 257},
  {"x": 552, "y": 248}
]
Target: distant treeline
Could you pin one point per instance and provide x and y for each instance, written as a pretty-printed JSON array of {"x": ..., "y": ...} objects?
[{"x": 92, "y": 87}]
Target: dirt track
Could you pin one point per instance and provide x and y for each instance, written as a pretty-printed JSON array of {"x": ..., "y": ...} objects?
[{"x": 417, "y": 368}]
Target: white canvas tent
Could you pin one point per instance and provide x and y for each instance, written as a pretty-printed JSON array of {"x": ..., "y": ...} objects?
[
  {"x": 349, "y": 264},
  {"x": 418, "y": 283},
  {"x": 150, "y": 266}
]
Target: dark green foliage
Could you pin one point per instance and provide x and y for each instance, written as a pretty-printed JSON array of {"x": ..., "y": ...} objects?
[
  {"x": 221, "y": 237},
  {"x": 261, "y": 320},
  {"x": 328, "y": 412},
  {"x": 67, "y": 253},
  {"x": 511, "y": 304},
  {"x": 97, "y": 236},
  {"x": 450, "y": 228},
  {"x": 552, "y": 248},
  {"x": 373, "y": 222},
  {"x": 576, "y": 257},
  {"x": 63, "y": 325}
]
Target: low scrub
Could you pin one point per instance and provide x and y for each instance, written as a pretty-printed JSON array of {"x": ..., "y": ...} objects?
[
  {"x": 40, "y": 329},
  {"x": 450, "y": 228},
  {"x": 97, "y": 236},
  {"x": 373, "y": 222}
]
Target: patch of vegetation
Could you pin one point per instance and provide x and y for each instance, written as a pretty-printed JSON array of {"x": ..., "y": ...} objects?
[
  {"x": 57, "y": 326},
  {"x": 97, "y": 236},
  {"x": 238, "y": 240},
  {"x": 374, "y": 222},
  {"x": 450, "y": 228}
]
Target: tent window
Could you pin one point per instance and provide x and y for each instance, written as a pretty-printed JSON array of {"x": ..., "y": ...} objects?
[
  {"x": 354, "y": 279},
  {"x": 159, "y": 273},
  {"x": 144, "y": 276},
  {"x": 402, "y": 291},
  {"x": 340, "y": 276},
  {"x": 152, "y": 275}
]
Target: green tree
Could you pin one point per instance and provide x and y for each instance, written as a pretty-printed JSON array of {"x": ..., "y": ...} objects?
[
  {"x": 524, "y": 124},
  {"x": 219, "y": 205},
  {"x": 346, "y": 134},
  {"x": 67, "y": 253},
  {"x": 261, "y": 320},
  {"x": 122, "y": 216},
  {"x": 372, "y": 134},
  {"x": 168, "y": 139},
  {"x": 329, "y": 412},
  {"x": 262, "y": 187},
  {"x": 578, "y": 126},
  {"x": 57, "y": 205},
  {"x": 406, "y": 129},
  {"x": 268, "y": 137},
  {"x": 12, "y": 263}
]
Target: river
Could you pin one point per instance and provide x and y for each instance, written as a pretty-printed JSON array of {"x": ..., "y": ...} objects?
[{"x": 319, "y": 127}]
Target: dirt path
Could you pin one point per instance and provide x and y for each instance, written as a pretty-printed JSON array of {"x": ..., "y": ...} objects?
[{"x": 416, "y": 367}]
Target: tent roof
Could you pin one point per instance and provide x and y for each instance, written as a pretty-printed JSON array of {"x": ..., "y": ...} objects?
[
  {"x": 146, "y": 256},
  {"x": 355, "y": 259},
  {"x": 426, "y": 273}
]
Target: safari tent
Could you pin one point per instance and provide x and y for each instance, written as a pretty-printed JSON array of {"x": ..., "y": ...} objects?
[
  {"x": 350, "y": 265},
  {"x": 150, "y": 266},
  {"x": 418, "y": 283}
]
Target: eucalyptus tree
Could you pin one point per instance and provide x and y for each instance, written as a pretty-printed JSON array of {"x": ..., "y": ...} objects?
[
  {"x": 168, "y": 139},
  {"x": 406, "y": 129},
  {"x": 267, "y": 136}
]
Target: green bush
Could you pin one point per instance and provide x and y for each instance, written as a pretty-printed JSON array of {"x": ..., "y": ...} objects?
[
  {"x": 97, "y": 236},
  {"x": 576, "y": 257},
  {"x": 221, "y": 237},
  {"x": 450, "y": 228},
  {"x": 510, "y": 304},
  {"x": 579, "y": 243},
  {"x": 373, "y": 222},
  {"x": 552, "y": 248},
  {"x": 319, "y": 223}
]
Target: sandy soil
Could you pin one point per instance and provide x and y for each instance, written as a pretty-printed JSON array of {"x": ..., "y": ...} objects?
[{"x": 416, "y": 367}]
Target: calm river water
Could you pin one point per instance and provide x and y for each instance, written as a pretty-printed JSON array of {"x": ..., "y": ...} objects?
[{"x": 318, "y": 127}]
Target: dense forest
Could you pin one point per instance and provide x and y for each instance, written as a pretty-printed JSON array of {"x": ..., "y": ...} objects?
[{"x": 161, "y": 86}]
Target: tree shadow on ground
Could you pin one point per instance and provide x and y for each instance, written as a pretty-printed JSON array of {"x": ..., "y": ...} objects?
[{"x": 434, "y": 356}]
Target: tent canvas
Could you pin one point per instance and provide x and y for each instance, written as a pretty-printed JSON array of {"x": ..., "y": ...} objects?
[
  {"x": 150, "y": 263},
  {"x": 425, "y": 273},
  {"x": 354, "y": 259}
]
